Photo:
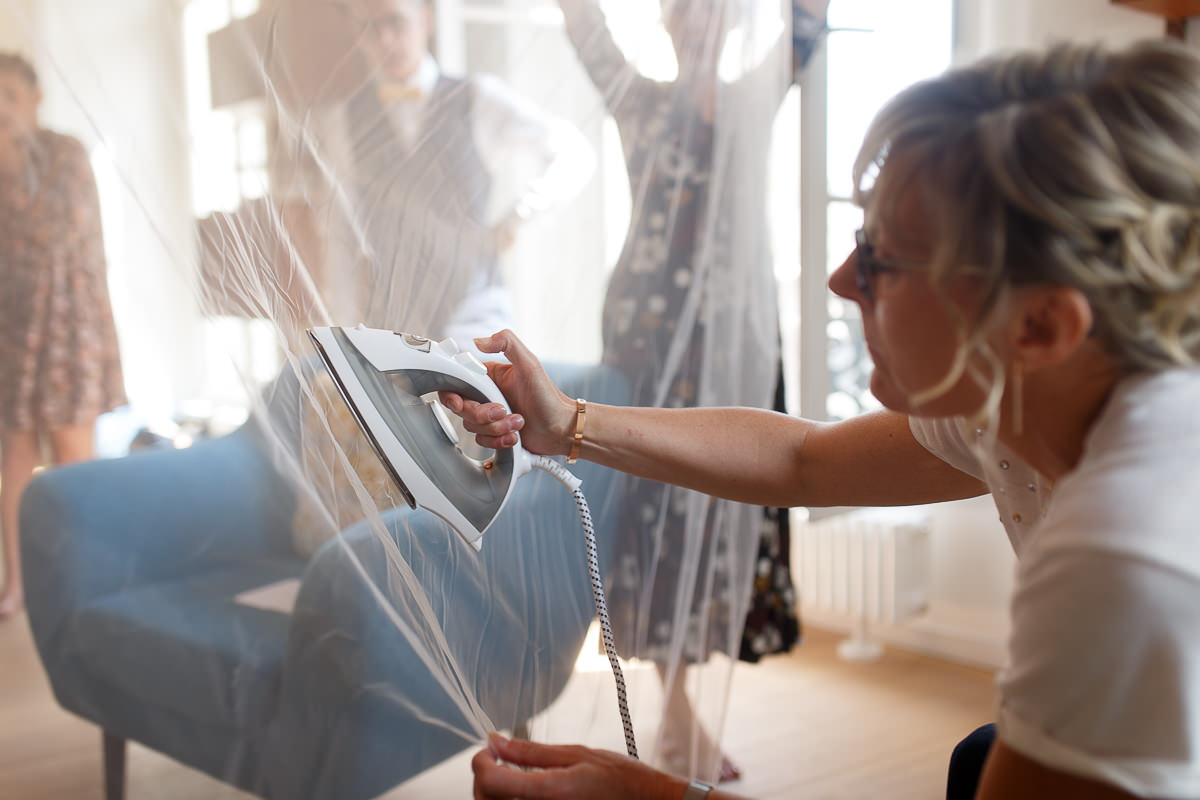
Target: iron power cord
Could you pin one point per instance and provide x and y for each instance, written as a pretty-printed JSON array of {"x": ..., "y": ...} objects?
[{"x": 572, "y": 483}]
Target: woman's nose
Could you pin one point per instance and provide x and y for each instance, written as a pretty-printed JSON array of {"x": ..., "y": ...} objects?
[{"x": 843, "y": 282}]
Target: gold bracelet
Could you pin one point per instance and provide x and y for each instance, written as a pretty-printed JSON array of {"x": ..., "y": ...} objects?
[{"x": 577, "y": 440}]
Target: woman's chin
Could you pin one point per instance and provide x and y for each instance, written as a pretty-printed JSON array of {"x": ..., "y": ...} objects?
[
  {"x": 888, "y": 394},
  {"x": 955, "y": 403}
]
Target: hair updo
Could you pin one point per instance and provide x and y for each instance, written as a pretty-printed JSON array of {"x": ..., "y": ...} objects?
[{"x": 1076, "y": 166}]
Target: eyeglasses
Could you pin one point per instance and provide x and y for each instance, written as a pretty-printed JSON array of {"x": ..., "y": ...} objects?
[{"x": 867, "y": 266}]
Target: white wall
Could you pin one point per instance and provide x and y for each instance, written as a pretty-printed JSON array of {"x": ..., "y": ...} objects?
[
  {"x": 972, "y": 565},
  {"x": 970, "y": 580},
  {"x": 113, "y": 77},
  {"x": 985, "y": 26},
  {"x": 17, "y": 17}
]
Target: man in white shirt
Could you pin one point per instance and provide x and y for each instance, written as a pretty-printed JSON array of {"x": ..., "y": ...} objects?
[{"x": 416, "y": 154}]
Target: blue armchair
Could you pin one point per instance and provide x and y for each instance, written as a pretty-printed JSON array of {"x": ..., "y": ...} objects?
[{"x": 132, "y": 566}]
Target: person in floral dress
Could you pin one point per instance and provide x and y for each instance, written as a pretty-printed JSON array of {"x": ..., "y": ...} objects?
[
  {"x": 59, "y": 364},
  {"x": 693, "y": 283}
]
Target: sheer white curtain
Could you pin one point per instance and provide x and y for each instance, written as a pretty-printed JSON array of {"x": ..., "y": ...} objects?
[{"x": 262, "y": 189}]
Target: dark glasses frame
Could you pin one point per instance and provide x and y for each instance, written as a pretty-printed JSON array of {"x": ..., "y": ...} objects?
[{"x": 868, "y": 266}]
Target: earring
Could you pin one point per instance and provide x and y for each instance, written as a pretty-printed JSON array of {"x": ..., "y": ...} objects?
[{"x": 1018, "y": 398}]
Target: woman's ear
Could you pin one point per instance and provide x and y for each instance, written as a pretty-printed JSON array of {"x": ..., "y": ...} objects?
[{"x": 1049, "y": 325}]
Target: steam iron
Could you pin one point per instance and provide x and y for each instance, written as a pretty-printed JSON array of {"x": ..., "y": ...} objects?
[{"x": 387, "y": 379}]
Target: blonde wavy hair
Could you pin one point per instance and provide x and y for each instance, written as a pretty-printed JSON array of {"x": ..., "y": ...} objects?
[{"x": 1078, "y": 166}]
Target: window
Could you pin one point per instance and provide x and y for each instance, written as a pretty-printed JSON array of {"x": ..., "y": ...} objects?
[
  {"x": 875, "y": 49},
  {"x": 229, "y": 143},
  {"x": 230, "y": 153}
]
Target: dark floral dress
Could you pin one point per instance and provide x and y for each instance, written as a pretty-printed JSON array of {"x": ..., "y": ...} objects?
[
  {"x": 59, "y": 364},
  {"x": 695, "y": 209}
]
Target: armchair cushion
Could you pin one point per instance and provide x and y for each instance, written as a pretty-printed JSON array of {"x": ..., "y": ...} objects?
[
  {"x": 187, "y": 645},
  {"x": 109, "y": 526}
]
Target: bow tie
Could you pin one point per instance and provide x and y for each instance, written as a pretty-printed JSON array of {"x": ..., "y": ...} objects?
[{"x": 390, "y": 93}]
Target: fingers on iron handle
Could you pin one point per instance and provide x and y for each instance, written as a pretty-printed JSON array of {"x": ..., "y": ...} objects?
[
  {"x": 492, "y": 344},
  {"x": 513, "y": 348},
  {"x": 476, "y": 413}
]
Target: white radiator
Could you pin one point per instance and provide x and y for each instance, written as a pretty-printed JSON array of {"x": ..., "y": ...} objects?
[{"x": 871, "y": 567}]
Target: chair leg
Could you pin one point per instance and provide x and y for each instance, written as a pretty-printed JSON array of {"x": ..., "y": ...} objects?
[{"x": 114, "y": 766}]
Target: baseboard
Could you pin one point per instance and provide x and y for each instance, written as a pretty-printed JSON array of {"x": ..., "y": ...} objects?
[{"x": 962, "y": 636}]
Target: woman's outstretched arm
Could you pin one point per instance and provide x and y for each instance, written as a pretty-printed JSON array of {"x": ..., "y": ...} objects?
[{"x": 748, "y": 455}]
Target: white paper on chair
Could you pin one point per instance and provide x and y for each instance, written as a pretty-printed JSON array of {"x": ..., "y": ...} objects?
[{"x": 279, "y": 596}]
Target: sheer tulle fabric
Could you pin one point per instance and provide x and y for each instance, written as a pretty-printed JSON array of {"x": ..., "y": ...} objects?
[{"x": 562, "y": 175}]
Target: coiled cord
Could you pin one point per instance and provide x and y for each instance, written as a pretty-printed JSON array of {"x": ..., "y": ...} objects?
[{"x": 564, "y": 476}]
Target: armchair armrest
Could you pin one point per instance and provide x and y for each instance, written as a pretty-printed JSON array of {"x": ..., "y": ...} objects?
[{"x": 95, "y": 528}]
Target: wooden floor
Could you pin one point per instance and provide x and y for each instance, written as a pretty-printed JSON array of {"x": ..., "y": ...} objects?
[{"x": 801, "y": 725}]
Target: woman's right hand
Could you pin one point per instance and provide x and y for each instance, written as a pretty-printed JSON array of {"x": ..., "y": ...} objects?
[{"x": 543, "y": 415}]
